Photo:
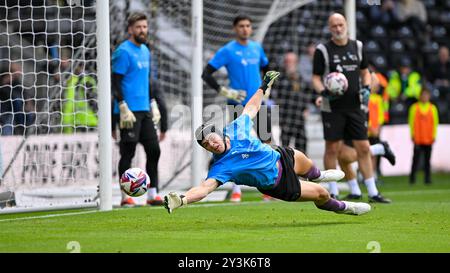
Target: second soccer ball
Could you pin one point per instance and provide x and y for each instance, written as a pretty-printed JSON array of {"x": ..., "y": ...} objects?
[{"x": 336, "y": 83}]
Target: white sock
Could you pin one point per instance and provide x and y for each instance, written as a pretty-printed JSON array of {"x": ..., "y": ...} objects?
[
  {"x": 236, "y": 188},
  {"x": 354, "y": 187},
  {"x": 333, "y": 188},
  {"x": 151, "y": 194},
  {"x": 371, "y": 187},
  {"x": 377, "y": 149}
]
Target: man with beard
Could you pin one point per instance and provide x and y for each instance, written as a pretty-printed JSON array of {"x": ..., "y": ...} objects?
[
  {"x": 343, "y": 116},
  {"x": 133, "y": 91}
]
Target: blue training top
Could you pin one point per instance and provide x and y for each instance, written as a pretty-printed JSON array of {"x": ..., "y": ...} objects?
[
  {"x": 248, "y": 161},
  {"x": 133, "y": 63},
  {"x": 243, "y": 64}
]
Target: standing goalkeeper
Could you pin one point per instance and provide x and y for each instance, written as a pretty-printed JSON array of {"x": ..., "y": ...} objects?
[
  {"x": 138, "y": 114},
  {"x": 343, "y": 116},
  {"x": 244, "y": 60}
]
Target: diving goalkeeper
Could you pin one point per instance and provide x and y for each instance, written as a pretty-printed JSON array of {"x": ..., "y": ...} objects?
[{"x": 273, "y": 170}]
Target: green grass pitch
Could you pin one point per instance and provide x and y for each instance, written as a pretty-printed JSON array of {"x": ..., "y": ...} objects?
[{"x": 418, "y": 220}]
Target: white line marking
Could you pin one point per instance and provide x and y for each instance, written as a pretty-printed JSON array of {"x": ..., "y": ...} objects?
[
  {"x": 211, "y": 205},
  {"x": 93, "y": 211},
  {"x": 49, "y": 216},
  {"x": 419, "y": 192}
]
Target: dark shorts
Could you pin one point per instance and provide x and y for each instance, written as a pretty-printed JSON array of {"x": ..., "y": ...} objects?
[
  {"x": 345, "y": 125},
  {"x": 288, "y": 188},
  {"x": 143, "y": 129}
]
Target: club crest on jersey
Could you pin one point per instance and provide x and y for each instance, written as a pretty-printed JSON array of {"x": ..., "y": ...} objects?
[
  {"x": 352, "y": 56},
  {"x": 336, "y": 58},
  {"x": 245, "y": 156}
]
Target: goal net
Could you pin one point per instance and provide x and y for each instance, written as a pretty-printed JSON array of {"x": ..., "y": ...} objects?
[{"x": 48, "y": 81}]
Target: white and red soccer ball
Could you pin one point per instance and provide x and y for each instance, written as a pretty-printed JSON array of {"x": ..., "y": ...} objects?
[
  {"x": 336, "y": 83},
  {"x": 134, "y": 182}
]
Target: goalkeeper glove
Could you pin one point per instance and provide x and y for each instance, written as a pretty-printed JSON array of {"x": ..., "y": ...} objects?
[
  {"x": 127, "y": 117},
  {"x": 237, "y": 95},
  {"x": 156, "y": 115},
  {"x": 268, "y": 80},
  {"x": 173, "y": 200},
  {"x": 365, "y": 95}
]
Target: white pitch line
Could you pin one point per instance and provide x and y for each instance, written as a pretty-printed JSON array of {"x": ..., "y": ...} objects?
[
  {"x": 93, "y": 211},
  {"x": 49, "y": 216},
  {"x": 208, "y": 205},
  {"x": 419, "y": 192}
]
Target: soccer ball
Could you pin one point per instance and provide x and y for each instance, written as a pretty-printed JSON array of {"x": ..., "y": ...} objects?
[
  {"x": 134, "y": 182},
  {"x": 336, "y": 82}
]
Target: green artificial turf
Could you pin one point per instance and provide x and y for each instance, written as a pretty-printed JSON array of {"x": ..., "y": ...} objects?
[{"x": 418, "y": 220}]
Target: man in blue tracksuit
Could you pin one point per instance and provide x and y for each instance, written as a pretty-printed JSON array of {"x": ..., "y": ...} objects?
[
  {"x": 244, "y": 60},
  {"x": 132, "y": 86},
  {"x": 273, "y": 170}
]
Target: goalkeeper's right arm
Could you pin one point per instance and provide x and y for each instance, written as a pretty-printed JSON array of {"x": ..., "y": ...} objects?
[{"x": 174, "y": 200}]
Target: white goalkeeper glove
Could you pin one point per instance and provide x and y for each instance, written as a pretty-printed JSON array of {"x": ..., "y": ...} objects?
[
  {"x": 127, "y": 118},
  {"x": 237, "y": 95},
  {"x": 173, "y": 200},
  {"x": 156, "y": 115}
]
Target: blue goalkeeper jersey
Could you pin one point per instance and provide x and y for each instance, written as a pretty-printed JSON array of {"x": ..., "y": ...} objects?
[
  {"x": 248, "y": 161},
  {"x": 243, "y": 64},
  {"x": 133, "y": 63}
]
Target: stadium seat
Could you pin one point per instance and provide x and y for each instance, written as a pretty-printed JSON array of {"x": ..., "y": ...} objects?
[
  {"x": 433, "y": 16},
  {"x": 405, "y": 32},
  {"x": 372, "y": 46},
  {"x": 429, "y": 4},
  {"x": 439, "y": 34},
  {"x": 379, "y": 61},
  {"x": 361, "y": 19},
  {"x": 396, "y": 46},
  {"x": 378, "y": 32},
  {"x": 431, "y": 47}
]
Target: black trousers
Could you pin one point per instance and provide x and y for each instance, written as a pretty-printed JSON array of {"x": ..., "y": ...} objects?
[
  {"x": 143, "y": 132},
  {"x": 418, "y": 151}
]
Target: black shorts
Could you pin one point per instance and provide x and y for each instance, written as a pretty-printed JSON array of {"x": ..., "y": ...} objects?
[
  {"x": 288, "y": 188},
  {"x": 341, "y": 125},
  {"x": 143, "y": 129}
]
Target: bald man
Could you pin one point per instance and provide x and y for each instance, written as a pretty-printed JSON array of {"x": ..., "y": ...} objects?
[{"x": 345, "y": 115}]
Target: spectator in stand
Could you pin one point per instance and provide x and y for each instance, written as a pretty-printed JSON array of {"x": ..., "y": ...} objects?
[
  {"x": 305, "y": 67},
  {"x": 386, "y": 14},
  {"x": 290, "y": 96},
  {"x": 404, "y": 84},
  {"x": 13, "y": 102},
  {"x": 413, "y": 13},
  {"x": 439, "y": 73}
]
